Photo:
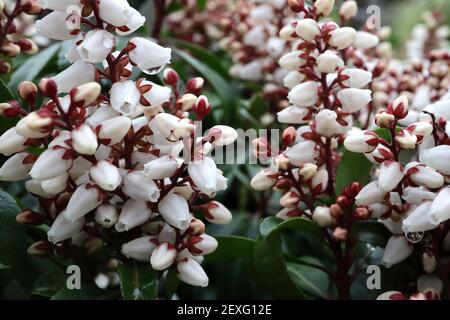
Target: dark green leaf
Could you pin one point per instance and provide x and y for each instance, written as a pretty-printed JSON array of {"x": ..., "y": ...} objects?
[
  {"x": 138, "y": 281},
  {"x": 13, "y": 241},
  {"x": 5, "y": 92},
  {"x": 34, "y": 65},
  {"x": 201, "y": 4},
  {"x": 220, "y": 85},
  {"x": 372, "y": 232},
  {"x": 270, "y": 270},
  {"x": 354, "y": 167},
  {"x": 49, "y": 284},
  {"x": 87, "y": 292},
  {"x": 309, "y": 279},
  {"x": 232, "y": 247}
]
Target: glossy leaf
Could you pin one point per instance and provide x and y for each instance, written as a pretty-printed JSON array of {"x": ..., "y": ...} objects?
[{"x": 138, "y": 281}]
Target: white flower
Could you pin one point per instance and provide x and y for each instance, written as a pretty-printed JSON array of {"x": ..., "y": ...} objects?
[
  {"x": 348, "y": 10},
  {"x": 163, "y": 256},
  {"x": 134, "y": 213},
  {"x": 204, "y": 174},
  {"x": 105, "y": 175},
  {"x": 419, "y": 220},
  {"x": 425, "y": 176},
  {"x": 205, "y": 245},
  {"x": 391, "y": 174},
  {"x": 190, "y": 272},
  {"x": 217, "y": 213},
  {"x": 307, "y": 29},
  {"x": 85, "y": 199},
  {"x": 227, "y": 135},
  {"x": 156, "y": 95},
  {"x": 58, "y": 5},
  {"x": 397, "y": 249},
  {"x": 125, "y": 97},
  {"x": 254, "y": 37},
  {"x": 139, "y": 187},
  {"x": 114, "y": 12},
  {"x": 326, "y": 124},
  {"x": 440, "y": 207},
  {"x": 148, "y": 55},
  {"x": 324, "y": 7},
  {"x": 160, "y": 168},
  {"x": 50, "y": 164},
  {"x": 63, "y": 229},
  {"x": 96, "y": 46},
  {"x": 322, "y": 216},
  {"x": 292, "y": 60},
  {"x": 134, "y": 20},
  {"x": 252, "y": 71},
  {"x": 302, "y": 153},
  {"x": 77, "y": 74},
  {"x": 292, "y": 79},
  {"x": 437, "y": 158},
  {"x": 354, "y": 100},
  {"x": 358, "y": 78},
  {"x": 55, "y": 185},
  {"x": 12, "y": 142},
  {"x": 113, "y": 130},
  {"x": 294, "y": 115},
  {"x": 84, "y": 140},
  {"x": 365, "y": 40},
  {"x": 175, "y": 210},
  {"x": 305, "y": 94},
  {"x": 262, "y": 13},
  {"x": 342, "y": 38},
  {"x": 55, "y": 26},
  {"x": 370, "y": 194},
  {"x": 328, "y": 62},
  {"x": 106, "y": 215},
  {"x": 140, "y": 248},
  {"x": 16, "y": 168},
  {"x": 360, "y": 141},
  {"x": 263, "y": 180},
  {"x": 418, "y": 195}
]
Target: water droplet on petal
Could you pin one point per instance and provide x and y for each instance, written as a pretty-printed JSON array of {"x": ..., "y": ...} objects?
[
  {"x": 153, "y": 71},
  {"x": 414, "y": 237}
]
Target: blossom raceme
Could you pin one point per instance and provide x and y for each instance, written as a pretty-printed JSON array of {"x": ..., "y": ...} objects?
[{"x": 112, "y": 154}]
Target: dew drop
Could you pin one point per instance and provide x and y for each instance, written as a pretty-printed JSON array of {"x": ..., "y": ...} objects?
[
  {"x": 152, "y": 71},
  {"x": 414, "y": 237}
]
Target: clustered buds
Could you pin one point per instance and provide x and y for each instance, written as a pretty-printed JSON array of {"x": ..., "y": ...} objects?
[
  {"x": 15, "y": 30},
  {"x": 122, "y": 157}
]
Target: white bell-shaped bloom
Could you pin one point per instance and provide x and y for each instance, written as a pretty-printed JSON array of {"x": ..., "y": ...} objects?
[
  {"x": 440, "y": 207},
  {"x": 63, "y": 228},
  {"x": 114, "y": 12},
  {"x": 342, "y": 38},
  {"x": 139, "y": 187},
  {"x": 358, "y": 78},
  {"x": 397, "y": 249},
  {"x": 85, "y": 199},
  {"x": 326, "y": 123},
  {"x": 113, "y": 130},
  {"x": 292, "y": 79},
  {"x": 106, "y": 215},
  {"x": 302, "y": 153},
  {"x": 160, "y": 168},
  {"x": 354, "y": 100},
  {"x": 125, "y": 97},
  {"x": 134, "y": 20},
  {"x": 105, "y": 175},
  {"x": 419, "y": 220},
  {"x": 140, "y": 248},
  {"x": 148, "y": 55},
  {"x": 307, "y": 29},
  {"x": 322, "y": 216},
  {"x": 305, "y": 94},
  {"x": 96, "y": 46},
  {"x": 55, "y": 185},
  {"x": 77, "y": 74},
  {"x": 426, "y": 177},
  {"x": 156, "y": 95},
  {"x": 391, "y": 174},
  {"x": 84, "y": 140},
  {"x": 50, "y": 164},
  {"x": 294, "y": 115},
  {"x": 133, "y": 214},
  {"x": 228, "y": 135},
  {"x": 163, "y": 256},
  {"x": 55, "y": 26},
  {"x": 328, "y": 62},
  {"x": 365, "y": 40},
  {"x": 175, "y": 210},
  {"x": 437, "y": 158},
  {"x": 414, "y": 195},
  {"x": 292, "y": 60},
  {"x": 218, "y": 213},
  {"x": 16, "y": 168},
  {"x": 12, "y": 142},
  {"x": 191, "y": 272},
  {"x": 264, "y": 180},
  {"x": 370, "y": 194},
  {"x": 58, "y": 5}
]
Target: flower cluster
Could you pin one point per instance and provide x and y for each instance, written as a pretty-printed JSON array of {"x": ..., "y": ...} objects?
[
  {"x": 340, "y": 78},
  {"x": 122, "y": 164},
  {"x": 15, "y": 30}
]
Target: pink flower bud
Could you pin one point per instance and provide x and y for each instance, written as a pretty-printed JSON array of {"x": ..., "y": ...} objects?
[
  {"x": 201, "y": 106},
  {"x": 217, "y": 213},
  {"x": 171, "y": 77},
  {"x": 399, "y": 107},
  {"x": 290, "y": 200}
]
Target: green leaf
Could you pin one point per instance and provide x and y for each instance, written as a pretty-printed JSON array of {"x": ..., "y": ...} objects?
[
  {"x": 13, "y": 240},
  {"x": 87, "y": 292},
  {"x": 138, "y": 281},
  {"x": 232, "y": 247},
  {"x": 201, "y": 4},
  {"x": 309, "y": 279},
  {"x": 354, "y": 167},
  {"x": 34, "y": 65},
  {"x": 4, "y": 267},
  {"x": 171, "y": 282},
  {"x": 49, "y": 284},
  {"x": 5, "y": 92},
  {"x": 269, "y": 265},
  {"x": 373, "y": 232},
  {"x": 220, "y": 85}
]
